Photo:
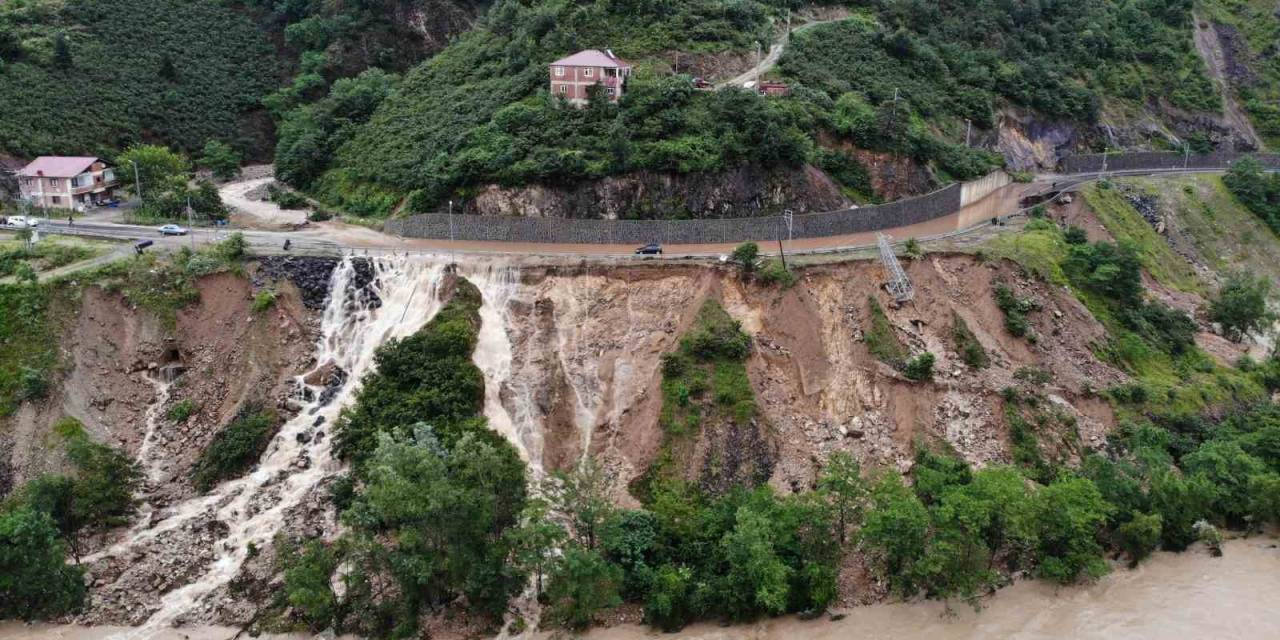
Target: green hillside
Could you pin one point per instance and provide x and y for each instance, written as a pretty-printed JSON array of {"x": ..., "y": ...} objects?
[
  {"x": 478, "y": 113},
  {"x": 91, "y": 76}
]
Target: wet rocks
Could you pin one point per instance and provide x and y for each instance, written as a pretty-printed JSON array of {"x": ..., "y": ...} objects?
[{"x": 310, "y": 274}]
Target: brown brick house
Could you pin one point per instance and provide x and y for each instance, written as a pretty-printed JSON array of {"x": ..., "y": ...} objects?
[
  {"x": 62, "y": 182},
  {"x": 571, "y": 77}
]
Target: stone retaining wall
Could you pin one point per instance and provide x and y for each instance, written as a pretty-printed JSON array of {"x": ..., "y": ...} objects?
[
  {"x": 1155, "y": 160},
  {"x": 703, "y": 231},
  {"x": 901, "y": 213}
]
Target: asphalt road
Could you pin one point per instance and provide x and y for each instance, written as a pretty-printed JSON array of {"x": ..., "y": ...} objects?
[{"x": 333, "y": 238}]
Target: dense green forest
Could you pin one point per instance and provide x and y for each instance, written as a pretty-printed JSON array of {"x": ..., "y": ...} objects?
[
  {"x": 479, "y": 113},
  {"x": 92, "y": 76}
]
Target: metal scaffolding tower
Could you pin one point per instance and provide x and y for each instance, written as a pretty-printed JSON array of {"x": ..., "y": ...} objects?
[{"x": 899, "y": 285}]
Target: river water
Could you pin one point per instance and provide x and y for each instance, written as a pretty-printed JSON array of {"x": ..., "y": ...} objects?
[{"x": 1187, "y": 596}]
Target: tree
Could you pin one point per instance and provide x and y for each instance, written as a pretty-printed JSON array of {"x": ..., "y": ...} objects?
[
  {"x": 157, "y": 167},
  {"x": 1139, "y": 536},
  {"x": 1069, "y": 515},
  {"x": 534, "y": 542},
  {"x": 670, "y": 602},
  {"x": 583, "y": 585},
  {"x": 62, "y": 52},
  {"x": 895, "y": 531},
  {"x": 1181, "y": 501},
  {"x": 35, "y": 581},
  {"x": 1225, "y": 464},
  {"x": 582, "y": 498},
  {"x": 1264, "y": 498},
  {"x": 308, "y": 583},
  {"x": 756, "y": 579},
  {"x": 841, "y": 482},
  {"x": 1241, "y": 306},
  {"x": 221, "y": 159},
  {"x": 746, "y": 256}
]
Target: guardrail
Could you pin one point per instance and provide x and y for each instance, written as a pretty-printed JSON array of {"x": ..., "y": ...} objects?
[{"x": 1160, "y": 161}]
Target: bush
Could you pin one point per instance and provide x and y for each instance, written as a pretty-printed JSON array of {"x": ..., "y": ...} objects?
[
  {"x": 236, "y": 448},
  {"x": 1015, "y": 310},
  {"x": 1074, "y": 235},
  {"x": 774, "y": 273},
  {"x": 219, "y": 158},
  {"x": 182, "y": 410},
  {"x": 1139, "y": 536},
  {"x": 716, "y": 336},
  {"x": 920, "y": 367},
  {"x": 966, "y": 343},
  {"x": 264, "y": 300}
]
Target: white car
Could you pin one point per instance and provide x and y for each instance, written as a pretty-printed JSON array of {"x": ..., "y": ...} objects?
[
  {"x": 172, "y": 230},
  {"x": 23, "y": 222}
]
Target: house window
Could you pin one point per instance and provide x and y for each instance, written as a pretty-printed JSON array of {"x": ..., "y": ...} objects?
[
  {"x": 53, "y": 183},
  {"x": 564, "y": 88},
  {"x": 587, "y": 72},
  {"x": 56, "y": 199},
  {"x": 559, "y": 72},
  {"x": 610, "y": 91}
]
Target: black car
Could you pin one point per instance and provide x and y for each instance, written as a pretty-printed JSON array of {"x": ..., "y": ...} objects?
[{"x": 652, "y": 248}]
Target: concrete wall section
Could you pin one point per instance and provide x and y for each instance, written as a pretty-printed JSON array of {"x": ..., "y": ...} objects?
[{"x": 976, "y": 190}]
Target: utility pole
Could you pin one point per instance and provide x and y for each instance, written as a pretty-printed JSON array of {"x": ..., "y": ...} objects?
[
  {"x": 453, "y": 250},
  {"x": 1104, "y": 163},
  {"x": 191, "y": 231},
  {"x": 757, "y": 67},
  {"x": 968, "y": 129},
  {"x": 137, "y": 180},
  {"x": 1186, "y": 156},
  {"x": 782, "y": 253}
]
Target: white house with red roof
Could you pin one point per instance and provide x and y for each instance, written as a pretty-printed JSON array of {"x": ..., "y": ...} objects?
[
  {"x": 66, "y": 182},
  {"x": 573, "y": 76}
]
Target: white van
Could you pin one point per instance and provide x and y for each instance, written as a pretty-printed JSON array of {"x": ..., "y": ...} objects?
[{"x": 23, "y": 222}]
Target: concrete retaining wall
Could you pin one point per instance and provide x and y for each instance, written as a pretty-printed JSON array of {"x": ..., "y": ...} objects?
[{"x": 975, "y": 190}]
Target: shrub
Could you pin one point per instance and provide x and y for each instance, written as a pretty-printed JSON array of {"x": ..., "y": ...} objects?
[
  {"x": 1139, "y": 536},
  {"x": 219, "y": 158},
  {"x": 236, "y": 448},
  {"x": 264, "y": 300},
  {"x": 774, "y": 273},
  {"x": 1015, "y": 310},
  {"x": 582, "y": 585},
  {"x": 1074, "y": 235},
  {"x": 182, "y": 410},
  {"x": 920, "y": 367},
  {"x": 716, "y": 336},
  {"x": 967, "y": 344}
]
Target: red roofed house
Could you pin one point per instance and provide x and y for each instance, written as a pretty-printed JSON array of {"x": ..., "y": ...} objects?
[
  {"x": 572, "y": 76},
  {"x": 61, "y": 182}
]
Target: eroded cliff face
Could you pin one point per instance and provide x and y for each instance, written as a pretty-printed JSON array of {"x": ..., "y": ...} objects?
[
  {"x": 586, "y": 350},
  {"x": 744, "y": 191},
  {"x": 572, "y": 360}
]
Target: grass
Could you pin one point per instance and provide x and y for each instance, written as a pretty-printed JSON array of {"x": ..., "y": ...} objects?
[
  {"x": 1127, "y": 225},
  {"x": 52, "y": 252},
  {"x": 881, "y": 339},
  {"x": 1223, "y": 232},
  {"x": 1038, "y": 248},
  {"x": 182, "y": 410},
  {"x": 704, "y": 381},
  {"x": 28, "y": 343}
]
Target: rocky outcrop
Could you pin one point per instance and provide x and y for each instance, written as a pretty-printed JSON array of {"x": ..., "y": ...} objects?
[
  {"x": 1030, "y": 144},
  {"x": 745, "y": 191}
]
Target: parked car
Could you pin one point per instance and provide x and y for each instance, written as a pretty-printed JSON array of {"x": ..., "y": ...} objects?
[
  {"x": 172, "y": 230},
  {"x": 650, "y": 249}
]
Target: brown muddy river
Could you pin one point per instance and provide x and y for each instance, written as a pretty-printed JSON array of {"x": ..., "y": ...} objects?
[{"x": 1188, "y": 596}]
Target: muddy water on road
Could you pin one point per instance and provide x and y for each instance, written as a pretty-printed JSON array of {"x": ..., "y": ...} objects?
[{"x": 1187, "y": 596}]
